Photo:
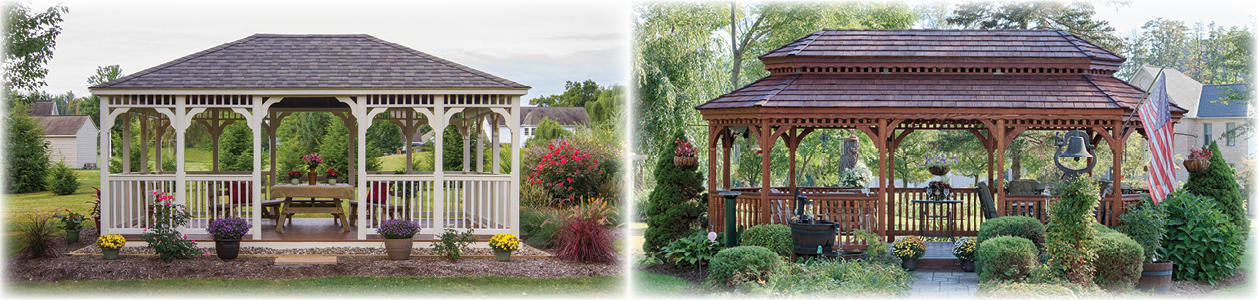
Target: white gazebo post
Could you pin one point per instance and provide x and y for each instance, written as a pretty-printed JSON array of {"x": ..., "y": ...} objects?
[{"x": 513, "y": 122}]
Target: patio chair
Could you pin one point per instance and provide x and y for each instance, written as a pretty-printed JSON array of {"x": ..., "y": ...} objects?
[
  {"x": 985, "y": 200},
  {"x": 377, "y": 199}
]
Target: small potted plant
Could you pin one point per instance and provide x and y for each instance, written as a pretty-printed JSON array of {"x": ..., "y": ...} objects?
[
  {"x": 333, "y": 175},
  {"x": 110, "y": 244},
  {"x": 938, "y": 165},
  {"x": 964, "y": 249},
  {"x": 1198, "y": 159},
  {"x": 294, "y": 176},
  {"x": 95, "y": 202},
  {"x": 312, "y": 161},
  {"x": 684, "y": 155},
  {"x": 398, "y": 234},
  {"x": 227, "y": 233},
  {"x": 909, "y": 249},
  {"x": 72, "y": 222},
  {"x": 504, "y": 244}
]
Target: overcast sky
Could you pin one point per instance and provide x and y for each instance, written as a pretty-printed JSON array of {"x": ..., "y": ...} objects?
[{"x": 541, "y": 44}]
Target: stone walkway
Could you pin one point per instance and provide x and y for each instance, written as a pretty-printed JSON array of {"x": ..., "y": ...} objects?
[{"x": 944, "y": 284}]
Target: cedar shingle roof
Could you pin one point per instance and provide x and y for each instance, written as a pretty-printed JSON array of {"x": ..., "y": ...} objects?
[
  {"x": 62, "y": 125},
  {"x": 942, "y": 43},
  {"x": 330, "y": 61}
]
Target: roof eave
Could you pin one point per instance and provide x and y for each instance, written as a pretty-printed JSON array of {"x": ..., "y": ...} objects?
[{"x": 310, "y": 92}]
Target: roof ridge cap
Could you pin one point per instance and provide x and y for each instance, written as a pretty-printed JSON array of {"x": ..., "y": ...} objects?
[
  {"x": 777, "y": 89},
  {"x": 443, "y": 61},
  {"x": 1072, "y": 42},
  {"x": 807, "y": 42},
  {"x": 176, "y": 61}
]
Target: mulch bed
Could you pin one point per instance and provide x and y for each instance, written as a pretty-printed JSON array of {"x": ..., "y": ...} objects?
[
  {"x": 1199, "y": 289},
  {"x": 68, "y": 267}
]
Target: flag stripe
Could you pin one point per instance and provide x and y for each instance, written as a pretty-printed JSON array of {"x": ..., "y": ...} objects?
[{"x": 1156, "y": 117}]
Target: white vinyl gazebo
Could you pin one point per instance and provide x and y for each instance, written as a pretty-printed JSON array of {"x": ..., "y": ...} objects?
[{"x": 263, "y": 78}]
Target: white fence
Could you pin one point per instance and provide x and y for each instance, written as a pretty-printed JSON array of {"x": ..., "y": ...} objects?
[
  {"x": 214, "y": 196},
  {"x": 129, "y": 197},
  {"x": 479, "y": 202}
]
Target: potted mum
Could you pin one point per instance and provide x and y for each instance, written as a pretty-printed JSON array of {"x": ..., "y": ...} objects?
[
  {"x": 1198, "y": 159},
  {"x": 909, "y": 249},
  {"x": 110, "y": 244},
  {"x": 684, "y": 155},
  {"x": 72, "y": 222},
  {"x": 294, "y": 176},
  {"x": 503, "y": 245},
  {"x": 938, "y": 165},
  {"x": 397, "y": 237},
  {"x": 963, "y": 249},
  {"x": 227, "y": 233},
  {"x": 333, "y": 175},
  {"x": 312, "y": 161}
]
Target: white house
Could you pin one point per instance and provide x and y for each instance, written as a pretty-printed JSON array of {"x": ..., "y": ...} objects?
[
  {"x": 1207, "y": 119},
  {"x": 567, "y": 117},
  {"x": 72, "y": 138}
]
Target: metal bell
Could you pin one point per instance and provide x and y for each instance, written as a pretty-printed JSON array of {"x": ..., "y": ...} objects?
[{"x": 1075, "y": 148}]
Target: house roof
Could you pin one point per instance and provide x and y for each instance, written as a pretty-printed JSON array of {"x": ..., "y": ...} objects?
[
  {"x": 43, "y": 108},
  {"x": 63, "y": 125},
  {"x": 1209, "y": 108},
  {"x": 310, "y": 61},
  {"x": 943, "y": 43},
  {"x": 561, "y": 115},
  {"x": 1183, "y": 90}
]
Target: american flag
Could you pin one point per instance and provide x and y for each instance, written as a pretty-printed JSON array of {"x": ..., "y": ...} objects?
[{"x": 1156, "y": 116}]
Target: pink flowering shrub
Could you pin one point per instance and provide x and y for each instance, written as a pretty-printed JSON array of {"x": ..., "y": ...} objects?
[
  {"x": 571, "y": 170},
  {"x": 161, "y": 234}
]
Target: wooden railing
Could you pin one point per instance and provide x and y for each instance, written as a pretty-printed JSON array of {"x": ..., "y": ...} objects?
[
  {"x": 848, "y": 207},
  {"x": 906, "y": 216}
]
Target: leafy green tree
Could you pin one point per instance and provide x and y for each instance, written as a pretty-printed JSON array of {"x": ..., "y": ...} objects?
[
  {"x": 674, "y": 204},
  {"x": 236, "y": 149},
  {"x": 384, "y": 135},
  {"x": 1075, "y": 18},
  {"x": 90, "y": 106},
  {"x": 546, "y": 130},
  {"x": 609, "y": 104},
  {"x": 576, "y": 94},
  {"x": 1218, "y": 182},
  {"x": 1069, "y": 233},
  {"x": 29, "y": 39},
  {"x": 26, "y": 153}
]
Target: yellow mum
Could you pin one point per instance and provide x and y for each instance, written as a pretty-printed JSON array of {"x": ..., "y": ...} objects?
[
  {"x": 505, "y": 241},
  {"x": 111, "y": 241}
]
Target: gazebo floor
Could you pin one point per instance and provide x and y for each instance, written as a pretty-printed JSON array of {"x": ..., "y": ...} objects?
[{"x": 313, "y": 230}]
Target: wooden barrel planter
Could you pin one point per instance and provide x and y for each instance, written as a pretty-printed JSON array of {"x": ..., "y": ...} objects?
[
  {"x": 807, "y": 237},
  {"x": 1156, "y": 277},
  {"x": 685, "y": 161},
  {"x": 1196, "y": 164},
  {"x": 939, "y": 171}
]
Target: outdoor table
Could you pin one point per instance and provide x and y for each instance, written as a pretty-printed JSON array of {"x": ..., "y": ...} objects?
[
  {"x": 290, "y": 191},
  {"x": 951, "y": 208}
]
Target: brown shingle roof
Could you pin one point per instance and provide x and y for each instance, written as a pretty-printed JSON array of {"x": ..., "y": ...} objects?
[
  {"x": 62, "y": 125},
  {"x": 942, "y": 43},
  {"x": 331, "y": 61},
  {"x": 42, "y": 108},
  {"x": 933, "y": 91},
  {"x": 561, "y": 115}
]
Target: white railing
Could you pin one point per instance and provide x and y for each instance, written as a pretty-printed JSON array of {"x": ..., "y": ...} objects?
[
  {"x": 481, "y": 202},
  {"x": 398, "y": 197},
  {"x": 214, "y": 196},
  {"x": 129, "y": 197}
]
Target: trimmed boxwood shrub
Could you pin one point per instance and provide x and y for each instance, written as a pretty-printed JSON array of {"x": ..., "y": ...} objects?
[
  {"x": 776, "y": 237},
  {"x": 1201, "y": 241},
  {"x": 1006, "y": 258},
  {"x": 1019, "y": 226},
  {"x": 733, "y": 266},
  {"x": 1218, "y": 183},
  {"x": 1119, "y": 261}
]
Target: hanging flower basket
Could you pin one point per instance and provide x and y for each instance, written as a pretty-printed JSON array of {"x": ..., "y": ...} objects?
[
  {"x": 939, "y": 170},
  {"x": 685, "y": 161},
  {"x": 1196, "y": 164}
]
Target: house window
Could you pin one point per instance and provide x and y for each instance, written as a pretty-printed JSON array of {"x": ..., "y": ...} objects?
[
  {"x": 1230, "y": 135},
  {"x": 1206, "y": 131}
]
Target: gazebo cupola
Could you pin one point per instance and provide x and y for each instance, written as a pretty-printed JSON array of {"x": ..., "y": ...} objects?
[{"x": 887, "y": 84}]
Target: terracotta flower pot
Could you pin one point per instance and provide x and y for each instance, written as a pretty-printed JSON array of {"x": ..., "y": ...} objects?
[
  {"x": 1196, "y": 164},
  {"x": 398, "y": 249},
  {"x": 939, "y": 170},
  {"x": 227, "y": 249},
  {"x": 502, "y": 255}
]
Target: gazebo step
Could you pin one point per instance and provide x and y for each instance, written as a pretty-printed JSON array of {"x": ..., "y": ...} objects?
[{"x": 305, "y": 260}]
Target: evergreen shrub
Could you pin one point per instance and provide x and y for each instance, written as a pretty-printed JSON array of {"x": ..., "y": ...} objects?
[
  {"x": 776, "y": 237},
  {"x": 1006, "y": 258},
  {"x": 1019, "y": 226},
  {"x": 741, "y": 264},
  {"x": 1119, "y": 261}
]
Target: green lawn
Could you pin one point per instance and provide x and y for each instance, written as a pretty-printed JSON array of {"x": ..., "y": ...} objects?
[
  {"x": 658, "y": 285},
  {"x": 602, "y": 286}
]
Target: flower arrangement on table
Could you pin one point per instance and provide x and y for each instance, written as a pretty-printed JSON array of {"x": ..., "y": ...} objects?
[
  {"x": 111, "y": 242},
  {"x": 334, "y": 174},
  {"x": 72, "y": 221},
  {"x": 397, "y": 229},
  {"x": 938, "y": 161},
  {"x": 312, "y": 161},
  {"x": 504, "y": 242},
  {"x": 1199, "y": 153},
  {"x": 909, "y": 247},
  {"x": 938, "y": 190},
  {"x": 294, "y": 174},
  {"x": 964, "y": 248},
  {"x": 684, "y": 148},
  {"x": 229, "y": 228}
]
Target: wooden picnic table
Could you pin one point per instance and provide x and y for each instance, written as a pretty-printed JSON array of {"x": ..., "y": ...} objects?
[{"x": 315, "y": 205}]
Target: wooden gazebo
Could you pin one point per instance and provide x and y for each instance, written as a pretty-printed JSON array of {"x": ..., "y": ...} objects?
[
  {"x": 261, "y": 79},
  {"x": 887, "y": 84}
]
